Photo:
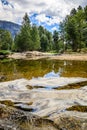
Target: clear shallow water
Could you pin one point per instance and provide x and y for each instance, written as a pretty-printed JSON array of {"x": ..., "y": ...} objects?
[{"x": 15, "y": 69}]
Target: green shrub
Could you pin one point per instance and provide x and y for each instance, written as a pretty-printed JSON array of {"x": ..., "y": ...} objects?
[{"x": 4, "y": 52}]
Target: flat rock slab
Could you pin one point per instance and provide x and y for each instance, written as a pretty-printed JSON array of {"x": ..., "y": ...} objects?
[
  {"x": 50, "y": 104},
  {"x": 54, "y": 82}
]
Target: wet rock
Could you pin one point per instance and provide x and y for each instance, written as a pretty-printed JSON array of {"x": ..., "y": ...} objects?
[
  {"x": 73, "y": 86},
  {"x": 78, "y": 108},
  {"x": 7, "y": 102},
  {"x": 29, "y": 87},
  {"x": 2, "y": 78},
  {"x": 30, "y": 54},
  {"x": 34, "y": 53},
  {"x": 25, "y": 107}
]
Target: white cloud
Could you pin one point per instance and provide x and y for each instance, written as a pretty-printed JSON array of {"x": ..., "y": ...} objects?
[
  {"x": 56, "y": 9},
  {"x": 42, "y": 18},
  {"x": 54, "y": 28}
]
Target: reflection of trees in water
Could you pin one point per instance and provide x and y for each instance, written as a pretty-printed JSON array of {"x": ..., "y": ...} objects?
[
  {"x": 38, "y": 68},
  {"x": 14, "y": 69},
  {"x": 75, "y": 69}
]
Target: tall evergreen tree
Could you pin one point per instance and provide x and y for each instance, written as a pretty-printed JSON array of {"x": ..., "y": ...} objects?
[
  {"x": 23, "y": 39},
  {"x": 5, "y": 40},
  {"x": 50, "y": 40},
  {"x": 85, "y": 13},
  {"x": 85, "y": 27},
  {"x": 74, "y": 27},
  {"x": 45, "y": 39},
  {"x": 55, "y": 40},
  {"x": 35, "y": 38},
  {"x": 44, "y": 43},
  {"x": 73, "y": 12}
]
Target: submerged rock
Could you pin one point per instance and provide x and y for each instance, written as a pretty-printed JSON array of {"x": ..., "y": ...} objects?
[
  {"x": 2, "y": 78},
  {"x": 78, "y": 108}
]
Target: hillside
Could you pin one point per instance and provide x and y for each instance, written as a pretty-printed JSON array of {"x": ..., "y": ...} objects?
[{"x": 12, "y": 27}]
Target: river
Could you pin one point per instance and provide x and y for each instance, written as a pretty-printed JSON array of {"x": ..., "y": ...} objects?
[{"x": 15, "y": 69}]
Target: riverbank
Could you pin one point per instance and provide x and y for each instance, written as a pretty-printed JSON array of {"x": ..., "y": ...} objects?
[
  {"x": 29, "y": 55},
  {"x": 39, "y": 55},
  {"x": 77, "y": 57}
]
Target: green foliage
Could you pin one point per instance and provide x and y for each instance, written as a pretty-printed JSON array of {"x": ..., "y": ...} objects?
[
  {"x": 4, "y": 52},
  {"x": 73, "y": 12},
  {"x": 72, "y": 35},
  {"x": 44, "y": 43},
  {"x": 23, "y": 39},
  {"x": 50, "y": 40},
  {"x": 56, "y": 40},
  {"x": 5, "y": 40},
  {"x": 32, "y": 37},
  {"x": 35, "y": 38},
  {"x": 45, "y": 39},
  {"x": 61, "y": 46},
  {"x": 85, "y": 13},
  {"x": 84, "y": 50},
  {"x": 73, "y": 29},
  {"x": 55, "y": 36}
]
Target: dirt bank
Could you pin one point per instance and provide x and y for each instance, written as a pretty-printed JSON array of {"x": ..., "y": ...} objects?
[
  {"x": 38, "y": 55},
  {"x": 29, "y": 55},
  {"x": 79, "y": 57}
]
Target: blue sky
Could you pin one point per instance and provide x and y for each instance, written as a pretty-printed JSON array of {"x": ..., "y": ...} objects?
[{"x": 48, "y": 13}]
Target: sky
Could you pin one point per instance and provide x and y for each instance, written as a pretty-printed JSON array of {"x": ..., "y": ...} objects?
[{"x": 48, "y": 13}]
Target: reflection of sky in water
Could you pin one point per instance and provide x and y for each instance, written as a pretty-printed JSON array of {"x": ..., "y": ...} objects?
[
  {"x": 16, "y": 69},
  {"x": 53, "y": 73}
]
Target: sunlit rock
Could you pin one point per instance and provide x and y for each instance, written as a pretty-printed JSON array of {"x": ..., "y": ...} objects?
[{"x": 50, "y": 104}]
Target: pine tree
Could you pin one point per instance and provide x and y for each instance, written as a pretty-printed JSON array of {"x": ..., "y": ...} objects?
[
  {"x": 35, "y": 38},
  {"x": 5, "y": 40},
  {"x": 23, "y": 39},
  {"x": 55, "y": 40}
]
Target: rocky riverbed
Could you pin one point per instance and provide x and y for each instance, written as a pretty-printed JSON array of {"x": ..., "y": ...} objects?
[{"x": 24, "y": 101}]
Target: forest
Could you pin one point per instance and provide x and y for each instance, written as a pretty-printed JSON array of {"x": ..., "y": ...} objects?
[{"x": 70, "y": 36}]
